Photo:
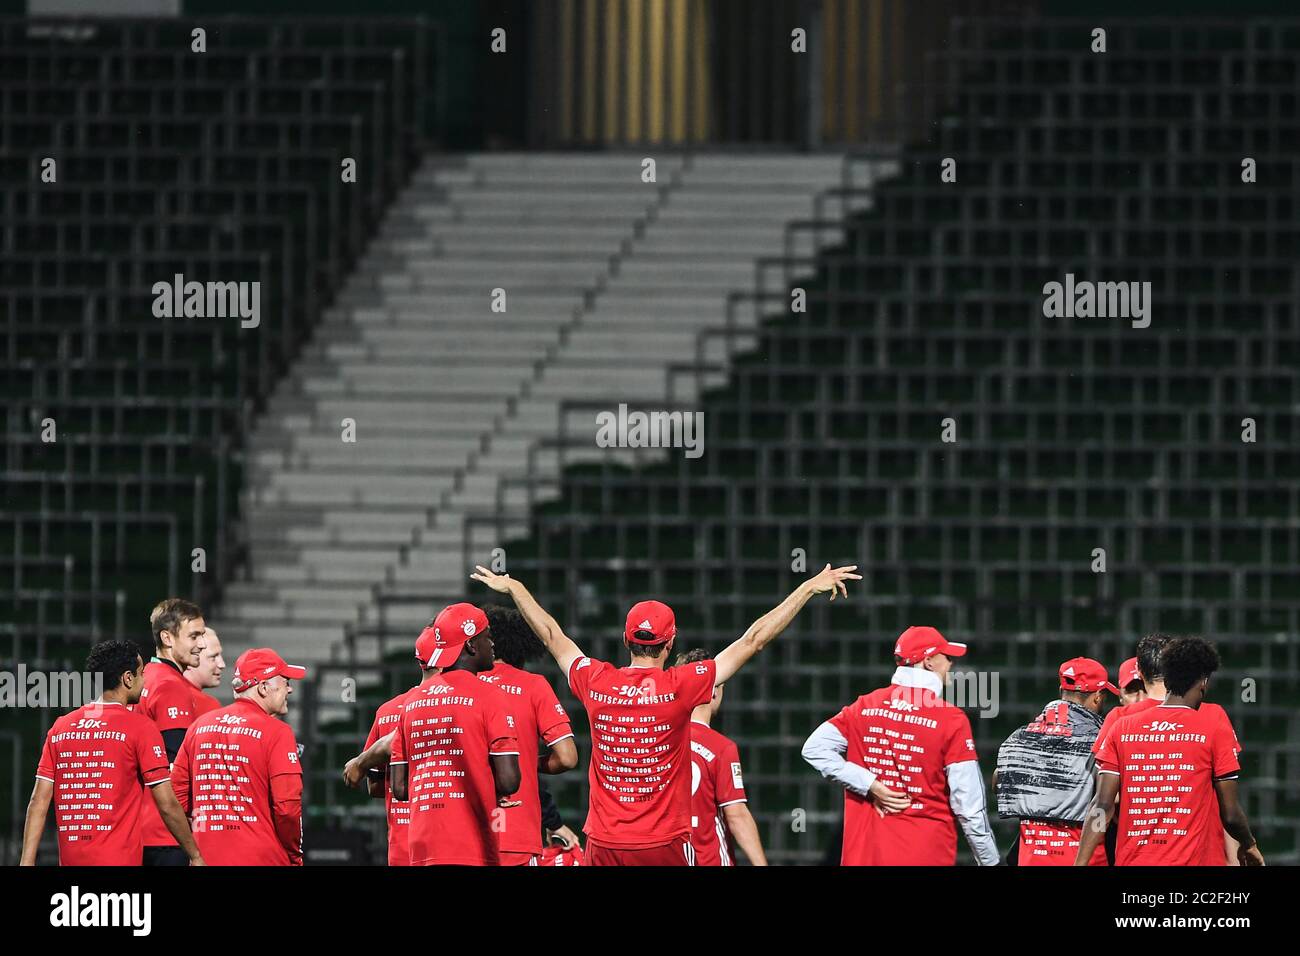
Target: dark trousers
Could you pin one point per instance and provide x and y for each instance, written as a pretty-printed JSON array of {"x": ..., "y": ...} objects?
[{"x": 165, "y": 856}]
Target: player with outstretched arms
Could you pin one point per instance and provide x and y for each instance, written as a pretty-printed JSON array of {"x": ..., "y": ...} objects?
[{"x": 640, "y": 801}]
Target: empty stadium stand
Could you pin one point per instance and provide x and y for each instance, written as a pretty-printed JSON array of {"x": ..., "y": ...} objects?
[
  {"x": 824, "y": 430},
  {"x": 123, "y": 432},
  {"x": 129, "y": 440}
]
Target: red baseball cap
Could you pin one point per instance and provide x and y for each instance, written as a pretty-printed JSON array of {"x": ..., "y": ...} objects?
[
  {"x": 439, "y": 644},
  {"x": 917, "y": 643},
  {"x": 1085, "y": 675},
  {"x": 653, "y": 616},
  {"x": 1128, "y": 672},
  {"x": 261, "y": 663}
]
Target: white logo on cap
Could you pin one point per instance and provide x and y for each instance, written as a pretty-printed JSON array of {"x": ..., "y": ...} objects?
[
  {"x": 267, "y": 670},
  {"x": 1069, "y": 672},
  {"x": 469, "y": 628},
  {"x": 644, "y": 626}
]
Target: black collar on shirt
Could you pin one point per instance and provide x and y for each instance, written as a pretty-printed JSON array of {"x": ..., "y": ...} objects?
[{"x": 163, "y": 660}]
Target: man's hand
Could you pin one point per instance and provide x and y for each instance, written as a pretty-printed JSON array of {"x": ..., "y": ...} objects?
[
  {"x": 886, "y": 800},
  {"x": 197, "y": 861},
  {"x": 1250, "y": 857},
  {"x": 352, "y": 773},
  {"x": 497, "y": 582},
  {"x": 566, "y": 836},
  {"x": 546, "y": 628},
  {"x": 832, "y": 579},
  {"x": 506, "y": 802}
]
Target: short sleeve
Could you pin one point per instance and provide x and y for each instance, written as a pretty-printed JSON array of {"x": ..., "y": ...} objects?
[
  {"x": 151, "y": 756},
  {"x": 181, "y": 771},
  {"x": 1229, "y": 731},
  {"x": 1224, "y": 749},
  {"x": 499, "y": 724},
  {"x": 374, "y": 734},
  {"x": 172, "y": 705},
  {"x": 1111, "y": 716},
  {"x": 283, "y": 757},
  {"x": 580, "y": 673},
  {"x": 1108, "y": 760},
  {"x": 959, "y": 746},
  {"x": 729, "y": 787},
  {"x": 398, "y": 752},
  {"x": 552, "y": 721},
  {"x": 695, "y": 682},
  {"x": 45, "y": 769}
]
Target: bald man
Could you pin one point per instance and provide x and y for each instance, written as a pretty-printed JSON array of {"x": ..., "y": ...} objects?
[{"x": 207, "y": 673}]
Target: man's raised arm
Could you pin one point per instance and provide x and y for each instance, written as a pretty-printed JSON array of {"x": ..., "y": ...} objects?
[
  {"x": 544, "y": 626},
  {"x": 765, "y": 630}
]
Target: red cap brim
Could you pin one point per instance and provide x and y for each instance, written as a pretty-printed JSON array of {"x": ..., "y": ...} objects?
[
  {"x": 952, "y": 650},
  {"x": 444, "y": 656},
  {"x": 293, "y": 671}
]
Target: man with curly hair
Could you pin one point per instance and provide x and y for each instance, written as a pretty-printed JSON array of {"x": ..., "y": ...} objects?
[{"x": 1174, "y": 768}]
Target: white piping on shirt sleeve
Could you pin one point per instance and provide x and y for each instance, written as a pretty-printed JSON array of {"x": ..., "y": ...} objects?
[
  {"x": 824, "y": 751},
  {"x": 966, "y": 798}
]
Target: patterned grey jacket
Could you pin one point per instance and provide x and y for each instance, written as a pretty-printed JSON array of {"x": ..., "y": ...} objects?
[{"x": 1045, "y": 769}]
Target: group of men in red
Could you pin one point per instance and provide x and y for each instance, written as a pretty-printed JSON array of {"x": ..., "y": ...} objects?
[
  {"x": 457, "y": 758},
  {"x": 1165, "y": 760},
  {"x": 460, "y": 748},
  {"x": 224, "y": 784}
]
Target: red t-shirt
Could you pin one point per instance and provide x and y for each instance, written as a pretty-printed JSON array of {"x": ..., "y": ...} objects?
[
  {"x": 1048, "y": 844},
  {"x": 97, "y": 758},
  {"x": 716, "y": 782},
  {"x": 1213, "y": 711},
  {"x": 1167, "y": 759},
  {"x": 223, "y": 778},
  {"x": 906, "y": 736},
  {"x": 450, "y": 725},
  {"x": 538, "y": 714},
  {"x": 387, "y": 717},
  {"x": 167, "y": 700},
  {"x": 203, "y": 702},
  {"x": 640, "y": 741}
]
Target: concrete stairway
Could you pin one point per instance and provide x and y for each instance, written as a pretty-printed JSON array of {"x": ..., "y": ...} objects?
[{"x": 608, "y": 281}]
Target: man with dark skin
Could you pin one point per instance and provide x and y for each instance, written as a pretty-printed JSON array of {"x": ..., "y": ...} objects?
[
  {"x": 124, "y": 847},
  {"x": 476, "y": 655},
  {"x": 460, "y": 630},
  {"x": 1187, "y": 663}
]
